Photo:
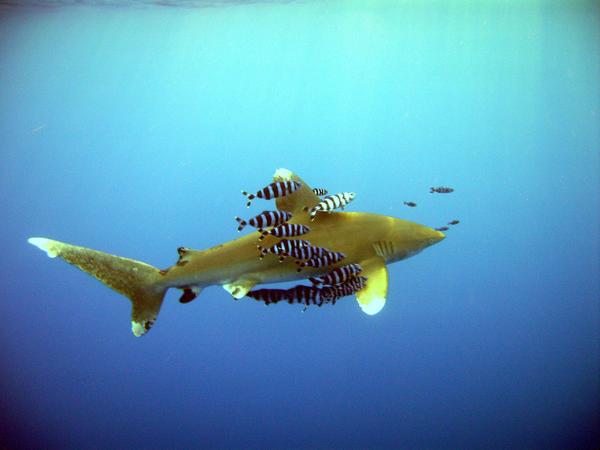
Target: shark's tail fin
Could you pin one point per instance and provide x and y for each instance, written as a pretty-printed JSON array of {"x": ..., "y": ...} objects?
[{"x": 134, "y": 279}]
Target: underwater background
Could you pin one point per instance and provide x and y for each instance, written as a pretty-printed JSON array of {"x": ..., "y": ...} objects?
[{"x": 131, "y": 127}]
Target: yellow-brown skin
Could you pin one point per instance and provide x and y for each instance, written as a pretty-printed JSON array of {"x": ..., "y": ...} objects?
[
  {"x": 370, "y": 240},
  {"x": 360, "y": 236}
]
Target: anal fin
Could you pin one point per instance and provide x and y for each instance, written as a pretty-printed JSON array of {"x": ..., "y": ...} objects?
[{"x": 239, "y": 288}]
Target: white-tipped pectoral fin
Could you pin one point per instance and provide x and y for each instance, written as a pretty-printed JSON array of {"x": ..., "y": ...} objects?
[
  {"x": 371, "y": 299},
  {"x": 373, "y": 307}
]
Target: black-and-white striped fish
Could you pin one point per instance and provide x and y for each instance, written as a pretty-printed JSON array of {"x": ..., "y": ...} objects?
[
  {"x": 265, "y": 219},
  {"x": 269, "y": 295},
  {"x": 327, "y": 259},
  {"x": 319, "y": 191},
  {"x": 304, "y": 294},
  {"x": 331, "y": 202},
  {"x": 351, "y": 286},
  {"x": 273, "y": 190},
  {"x": 356, "y": 283},
  {"x": 285, "y": 230},
  {"x": 306, "y": 252},
  {"x": 283, "y": 247},
  {"x": 338, "y": 275}
]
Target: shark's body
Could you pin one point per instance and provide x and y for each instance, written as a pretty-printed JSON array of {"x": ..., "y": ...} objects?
[{"x": 370, "y": 240}]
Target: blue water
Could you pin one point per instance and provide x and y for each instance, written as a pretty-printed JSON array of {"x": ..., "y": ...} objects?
[{"x": 131, "y": 128}]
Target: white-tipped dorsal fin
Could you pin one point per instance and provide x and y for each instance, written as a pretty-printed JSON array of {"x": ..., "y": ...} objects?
[
  {"x": 282, "y": 174},
  {"x": 298, "y": 201},
  {"x": 371, "y": 299}
]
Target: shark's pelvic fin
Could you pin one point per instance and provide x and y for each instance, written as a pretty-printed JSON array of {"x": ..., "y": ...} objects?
[
  {"x": 239, "y": 288},
  {"x": 134, "y": 279},
  {"x": 189, "y": 294},
  {"x": 295, "y": 202},
  {"x": 371, "y": 299}
]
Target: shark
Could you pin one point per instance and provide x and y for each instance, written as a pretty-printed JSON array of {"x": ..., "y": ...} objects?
[{"x": 374, "y": 241}]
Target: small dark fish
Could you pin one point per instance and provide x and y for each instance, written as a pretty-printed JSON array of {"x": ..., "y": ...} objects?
[
  {"x": 442, "y": 229},
  {"x": 273, "y": 190},
  {"x": 265, "y": 219},
  {"x": 441, "y": 190},
  {"x": 411, "y": 204},
  {"x": 319, "y": 191},
  {"x": 454, "y": 222},
  {"x": 285, "y": 230}
]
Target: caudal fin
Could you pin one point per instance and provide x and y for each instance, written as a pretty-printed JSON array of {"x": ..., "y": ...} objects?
[
  {"x": 250, "y": 198},
  {"x": 134, "y": 279},
  {"x": 242, "y": 223}
]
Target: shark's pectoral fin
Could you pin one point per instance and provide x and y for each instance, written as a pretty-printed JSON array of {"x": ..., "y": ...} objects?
[
  {"x": 239, "y": 288},
  {"x": 371, "y": 299},
  {"x": 296, "y": 202}
]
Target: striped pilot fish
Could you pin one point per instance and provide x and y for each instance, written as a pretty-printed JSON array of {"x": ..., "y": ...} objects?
[
  {"x": 331, "y": 202},
  {"x": 306, "y": 252},
  {"x": 309, "y": 295},
  {"x": 327, "y": 294},
  {"x": 273, "y": 190},
  {"x": 285, "y": 230},
  {"x": 304, "y": 295},
  {"x": 265, "y": 219},
  {"x": 283, "y": 247},
  {"x": 327, "y": 259},
  {"x": 319, "y": 191},
  {"x": 269, "y": 295},
  {"x": 349, "y": 287},
  {"x": 300, "y": 293},
  {"x": 338, "y": 275}
]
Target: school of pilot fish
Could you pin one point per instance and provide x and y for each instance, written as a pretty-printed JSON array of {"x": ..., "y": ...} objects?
[{"x": 340, "y": 282}]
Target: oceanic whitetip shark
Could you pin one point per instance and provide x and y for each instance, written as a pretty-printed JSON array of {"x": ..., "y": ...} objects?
[{"x": 371, "y": 240}]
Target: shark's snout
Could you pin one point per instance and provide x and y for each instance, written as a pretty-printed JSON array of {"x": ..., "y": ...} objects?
[{"x": 433, "y": 236}]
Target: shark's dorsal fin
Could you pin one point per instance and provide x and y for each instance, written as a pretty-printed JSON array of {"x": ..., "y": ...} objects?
[
  {"x": 299, "y": 201},
  {"x": 371, "y": 299}
]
